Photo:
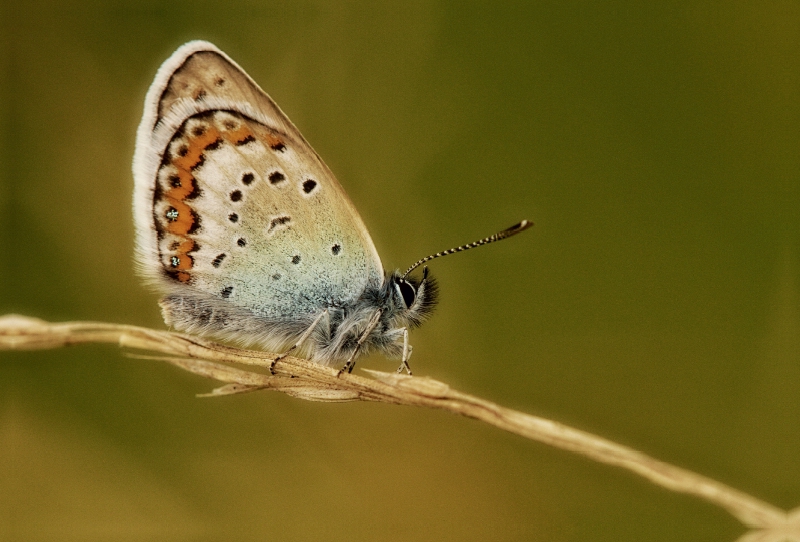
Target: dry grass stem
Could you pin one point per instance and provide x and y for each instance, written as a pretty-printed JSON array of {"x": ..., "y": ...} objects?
[{"x": 306, "y": 380}]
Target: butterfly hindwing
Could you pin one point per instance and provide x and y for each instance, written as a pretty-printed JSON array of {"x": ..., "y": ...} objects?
[{"x": 236, "y": 215}]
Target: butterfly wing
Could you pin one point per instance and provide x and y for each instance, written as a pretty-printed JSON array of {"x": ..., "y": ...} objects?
[{"x": 239, "y": 222}]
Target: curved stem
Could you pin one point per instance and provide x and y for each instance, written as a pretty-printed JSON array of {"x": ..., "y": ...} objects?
[{"x": 314, "y": 382}]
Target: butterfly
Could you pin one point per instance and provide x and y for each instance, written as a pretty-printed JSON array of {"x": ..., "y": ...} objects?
[{"x": 248, "y": 235}]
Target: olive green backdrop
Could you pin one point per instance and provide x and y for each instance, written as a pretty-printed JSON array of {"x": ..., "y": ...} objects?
[{"x": 656, "y": 302}]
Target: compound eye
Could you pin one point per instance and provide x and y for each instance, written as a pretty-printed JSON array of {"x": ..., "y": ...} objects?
[{"x": 408, "y": 292}]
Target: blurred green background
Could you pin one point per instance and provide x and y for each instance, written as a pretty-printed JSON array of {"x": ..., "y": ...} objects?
[{"x": 656, "y": 302}]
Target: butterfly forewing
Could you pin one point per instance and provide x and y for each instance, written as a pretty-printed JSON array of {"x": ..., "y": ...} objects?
[{"x": 232, "y": 202}]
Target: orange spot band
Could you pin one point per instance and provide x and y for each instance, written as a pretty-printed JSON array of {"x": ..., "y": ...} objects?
[
  {"x": 185, "y": 221},
  {"x": 196, "y": 146},
  {"x": 238, "y": 135},
  {"x": 185, "y": 188}
]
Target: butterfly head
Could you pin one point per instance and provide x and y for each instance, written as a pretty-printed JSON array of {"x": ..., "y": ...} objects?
[{"x": 412, "y": 299}]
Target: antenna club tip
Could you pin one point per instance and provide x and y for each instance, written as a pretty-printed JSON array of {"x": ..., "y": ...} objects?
[
  {"x": 521, "y": 226},
  {"x": 525, "y": 224}
]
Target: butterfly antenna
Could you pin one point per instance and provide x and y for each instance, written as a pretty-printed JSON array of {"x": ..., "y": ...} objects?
[{"x": 499, "y": 236}]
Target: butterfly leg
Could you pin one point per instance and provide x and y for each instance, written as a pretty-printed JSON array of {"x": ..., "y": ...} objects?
[
  {"x": 306, "y": 334},
  {"x": 406, "y": 353},
  {"x": 350, "y": 363}
]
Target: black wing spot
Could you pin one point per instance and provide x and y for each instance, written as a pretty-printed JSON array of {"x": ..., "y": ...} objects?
[
  {"x": 226, "y": 292},
  {"x": 174, "y": 181},
  {"x": 276, "y": 177},
  {"x": 219, "y": 81},
  {"x": 296, "y": 259},
  {"x": 244, "y": 141},
  {"x": 336, "y": 249},
  {"x": 278, "y": 221},
  {"x": 233, "y": 217},
  {"x": 218, "y": 260},
  {"x": 279, "y": 146},
  {"x": 200, "y": 161},
  {"x": 195, "y": 192},
  {"x": 229, "y": 124},
  {"x": 248, "y": 178},
  {"x": 183, "y": 150},
  {"x": 195, "y": 222},
  {"x": 236, "y": 195},
  {"x": 241, "y": 242},
  {"x": 197, "y": 131},
  {"x": 214, "y": 145},
  {"x": 309, "y": 185}
]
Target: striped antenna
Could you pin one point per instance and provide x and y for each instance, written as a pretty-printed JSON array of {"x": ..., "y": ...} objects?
[{"x": 505, "y": 234}]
